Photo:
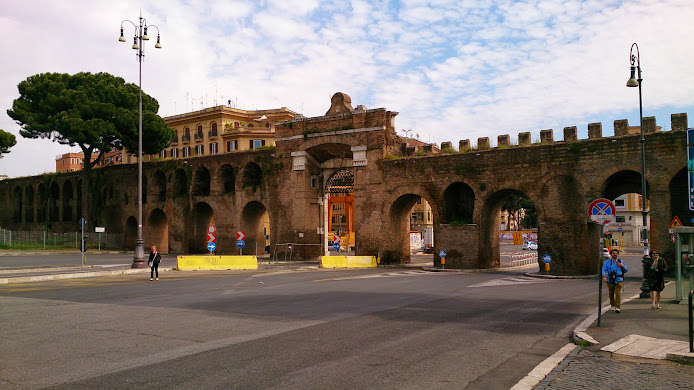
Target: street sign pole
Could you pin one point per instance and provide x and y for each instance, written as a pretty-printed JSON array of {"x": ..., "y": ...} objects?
[{"x": 602, "y": 245}]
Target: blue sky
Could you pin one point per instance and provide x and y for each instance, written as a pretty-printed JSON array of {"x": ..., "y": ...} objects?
[{"x": 453, "y": 69}]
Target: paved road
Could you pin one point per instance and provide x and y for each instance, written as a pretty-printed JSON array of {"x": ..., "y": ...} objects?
[{"x": 303, "y": 328}]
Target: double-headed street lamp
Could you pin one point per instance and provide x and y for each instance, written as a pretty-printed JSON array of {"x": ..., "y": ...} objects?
[
  {"x": 139, "y": 45},
  {"x": 635, "y": 60}
]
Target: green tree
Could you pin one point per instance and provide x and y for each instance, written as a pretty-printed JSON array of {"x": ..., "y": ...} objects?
[
  {"x": 516, "y": 203},
  {"x": 97, "y": 112},
  {"x": 7, "y": 140}
]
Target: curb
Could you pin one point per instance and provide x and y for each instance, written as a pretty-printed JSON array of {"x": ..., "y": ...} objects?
[{"x": 77, "y": 275}]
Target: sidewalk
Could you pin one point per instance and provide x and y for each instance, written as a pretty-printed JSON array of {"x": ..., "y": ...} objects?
[{"x": 639, "y": 348}]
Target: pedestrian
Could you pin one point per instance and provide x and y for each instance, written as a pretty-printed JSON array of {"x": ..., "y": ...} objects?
[
  {"x": 655, "y": 277},
  {"x": 154, "y": 259},
  {"x": 613, "y": 271}
]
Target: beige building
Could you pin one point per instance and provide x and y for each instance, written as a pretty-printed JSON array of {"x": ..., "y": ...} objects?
[{"x": 219, "y": 129}]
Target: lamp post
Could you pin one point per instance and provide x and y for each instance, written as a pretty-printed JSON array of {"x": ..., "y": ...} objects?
[
  {"x": 635, "y": 60},
  {"x": 139, "y": 45}
]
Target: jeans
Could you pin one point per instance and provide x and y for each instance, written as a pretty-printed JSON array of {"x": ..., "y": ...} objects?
[
  {"x": 615, "y": 294},
  {"x": 155, "y": 267}
]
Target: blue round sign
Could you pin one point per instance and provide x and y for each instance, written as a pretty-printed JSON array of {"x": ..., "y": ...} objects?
[
  {"x": 240, "y": 243},
  {"x": 547, "y": 259},
  {"x": 619, "y": 229},
  {"x": 442, "y": 253},
  {"x": 211, "y": 246},
  {"x": 336, "y": 246}
]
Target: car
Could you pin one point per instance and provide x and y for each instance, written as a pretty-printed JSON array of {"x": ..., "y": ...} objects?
[
  {"x": 530, "y": 245},
  {"x": 605, "y": 252}
]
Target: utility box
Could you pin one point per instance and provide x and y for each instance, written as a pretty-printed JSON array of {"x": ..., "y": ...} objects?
[{"x": 684, "y": 261}]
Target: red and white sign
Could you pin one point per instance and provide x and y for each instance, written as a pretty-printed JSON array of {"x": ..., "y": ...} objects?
[
  {"x": 601, "y": 211},
  {"x": 211, "y": 235},
  {"x": 336, "y": 238},
  {"x": 673, "y": 238},
  {"x": 240, "y": 236}
]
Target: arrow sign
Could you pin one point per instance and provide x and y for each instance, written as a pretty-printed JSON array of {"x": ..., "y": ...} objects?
[
  {"x": 240, "y": 236},
  {"x": 211, "y": 238},
  {"x": 336, "y": 246},
  {"x": 442, "y": 253},
  {"x": 211, "y": 246},
  {"x": 601, "y": 211},
  {"x": 240, "y": 243}
]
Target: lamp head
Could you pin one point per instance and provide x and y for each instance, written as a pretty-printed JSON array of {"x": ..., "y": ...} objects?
[
  {"x": 122, "y": 38},
  {"x": 632, "y": 80},
  {"x": 158, "y": 44},
  {"x": 145, "y": 37},
  {"x": 135, "y": 46}
]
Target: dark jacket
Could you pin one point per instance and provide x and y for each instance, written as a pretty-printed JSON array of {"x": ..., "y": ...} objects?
[
  {"x": 655, "y": 276},
  {"x": 154, "y": 258}
]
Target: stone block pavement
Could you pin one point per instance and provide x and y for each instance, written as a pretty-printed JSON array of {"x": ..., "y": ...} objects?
[{"x": 639, "y": 348}]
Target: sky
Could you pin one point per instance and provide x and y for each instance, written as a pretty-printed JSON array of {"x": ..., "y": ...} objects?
[{"x": 452, "y": 69}]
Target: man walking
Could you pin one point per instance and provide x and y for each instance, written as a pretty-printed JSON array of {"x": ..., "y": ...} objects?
[{"x": 613, "y": 271}]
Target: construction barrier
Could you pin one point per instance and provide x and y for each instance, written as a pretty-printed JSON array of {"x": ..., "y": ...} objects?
[
  {"x": 348, "y": 262},
  {"x": 216, "y": 262},
  {"x": 525, "y": 259}
]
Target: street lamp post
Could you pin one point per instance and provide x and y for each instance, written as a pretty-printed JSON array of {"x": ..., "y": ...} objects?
[
  {"x": 139, "y": 45},
  {"x": 635, "y": 60}
]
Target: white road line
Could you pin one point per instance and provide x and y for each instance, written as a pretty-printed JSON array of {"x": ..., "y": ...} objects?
[
  {"x": 540, "y": 372},
  {"x": 510, "y": 281}
]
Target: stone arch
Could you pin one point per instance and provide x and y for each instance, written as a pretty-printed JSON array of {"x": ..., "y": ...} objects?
[
  {"x": 67, "y": 201},
  {"x": 158, "y": 230},
  {"x": 130, "y": 233},
  {"x": 458, "y": 204},
  {"x": 203, "y": 216},
  {"x": 42, "y": 206},
  {"x": 399, "y": 227},
  {"x": 160, "y": 185},
  {"x": 53, "y": 203},
  {"x": 29, "y": 202},
  {"x": 18, "y": 204},
  {"x": 201, "y": 182},
  {"x": 623, "y": 182},
  {"x": 489, "y": 255},
  {"x": 252, "y": 175},
  {"x": 226, "y": 174},
  {"x": 255, "y": 221},
  {"x": 180, "y": 182}
]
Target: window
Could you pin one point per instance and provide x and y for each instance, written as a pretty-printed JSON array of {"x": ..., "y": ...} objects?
[
  {"x": 620, "y": 218},
  {"x": 186, "y": 151},
  {"x": 213, "y": 132},
  {"x": 231, "y": 146},
  {"x": 267, "y": 125},
  {"x": 162, "y": 154},
  {"x": 199, "y": 150},
  {"x": 174, "y": 153},
  {"x": 213, "y": 148},
  {"x": 186, "y": 135},
  {"x": 619, "y": 202},
  {"x": 236, "y": 125},
  {"x": 256, "y": 143},
  {"x": 198, "y": 133},
  {"x": 250, "y": 125}
]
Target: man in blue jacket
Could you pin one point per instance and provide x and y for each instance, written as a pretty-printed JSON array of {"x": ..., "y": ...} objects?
[{"x": 613, "y": 271}]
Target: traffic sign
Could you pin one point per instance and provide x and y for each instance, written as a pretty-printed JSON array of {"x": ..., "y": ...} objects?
[
  {"x": 240, "y": 235},
  {"x": 619, "y": 229},
  {"x": 336, "y": 246},
  {"x": 690, "y": 166},
  {"x": 601, "y": 211},
  {"x": 211, "y": 246},
  {"x": 336, "y": 238},
  {"x": 673, "y": 238},
  {"x": 211, "y": 235},
  {"x": 547, "y": 259},
  {"x": 675, "y": 223},
  {"x": 442, "y": 253},
  {"x": 240, "y": 243}
]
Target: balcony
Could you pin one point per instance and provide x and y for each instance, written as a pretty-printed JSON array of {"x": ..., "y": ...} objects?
[
  {"x": 197, "y": 136},
  {"x": 174, "y": 140},
  {"x": 211, "y": 134},
  {"x": 185, "y": 138}
]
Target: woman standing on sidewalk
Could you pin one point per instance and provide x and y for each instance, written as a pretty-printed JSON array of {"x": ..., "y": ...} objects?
[
  {"x": 154, "y": 259},
  {"x": 655, "y": 277}
]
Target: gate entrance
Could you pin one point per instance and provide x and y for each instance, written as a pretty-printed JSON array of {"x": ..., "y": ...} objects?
[{"x": 340, "y": 194}]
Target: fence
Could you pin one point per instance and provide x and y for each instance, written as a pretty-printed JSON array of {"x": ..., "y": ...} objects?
[
  {"x": 42, "y": 239},
  {"x": 524, "y": 259}
]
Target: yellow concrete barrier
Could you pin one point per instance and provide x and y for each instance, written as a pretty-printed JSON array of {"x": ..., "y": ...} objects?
[
  {"x": 348, "y": 262},
  {"x": 216, "y": 262}
]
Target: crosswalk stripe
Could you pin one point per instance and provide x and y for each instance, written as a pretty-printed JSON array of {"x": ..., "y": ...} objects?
[{"x": 510, "y": 281}]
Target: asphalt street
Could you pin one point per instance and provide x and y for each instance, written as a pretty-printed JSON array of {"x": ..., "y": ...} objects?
[{"x": 304, "y": 328}]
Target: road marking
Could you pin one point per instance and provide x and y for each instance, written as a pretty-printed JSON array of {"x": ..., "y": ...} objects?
[
  {"x": 540, "y": 372},
  {"x": 510, "y": 281},
  {"x": 385, "y": 275}
]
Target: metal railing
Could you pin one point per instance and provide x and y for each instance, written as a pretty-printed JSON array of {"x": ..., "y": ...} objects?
[
  {"x": 46, "y": 240},
  {"x": 520, "y": 260},
  {"x": 289, "y": 247}
]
